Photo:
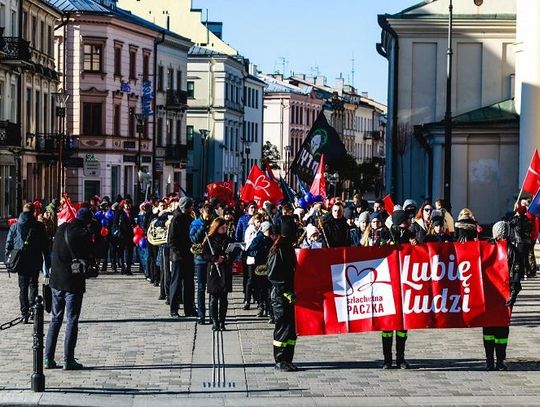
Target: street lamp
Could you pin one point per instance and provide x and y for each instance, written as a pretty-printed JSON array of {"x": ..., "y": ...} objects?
[
  {"x": 204, "y": 138},
  {"x": 287, "y": 149},
  {"x": 140, "y": 129},
  {"x": 61, "y": 98}
]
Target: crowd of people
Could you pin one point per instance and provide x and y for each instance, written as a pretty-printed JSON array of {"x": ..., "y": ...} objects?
[{"x": 188, "y": 249}]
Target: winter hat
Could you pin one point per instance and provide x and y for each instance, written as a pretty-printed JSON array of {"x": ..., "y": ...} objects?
[
  {"x": 398, "y": 217},
  {"x": 465, "y": 214},
  {"x": 311, "y": 230},
  {"x": 375, "y": 215},
  {"x": 364, "y": 217},
  {"x": 265, "y": 226},
  {"x": 288, "y": 227},
  {"x": 348, "y": 213},
  {"x": 500, "y": 230},
  {"x": 269, "y": 206},
  {"x": 409, "y": 202},
  {"x": 275, "y": 229},
  {"x": 437, "y": 220},
  {"x": 185, "y": 203},
  {"x": 84, "y": 215}
]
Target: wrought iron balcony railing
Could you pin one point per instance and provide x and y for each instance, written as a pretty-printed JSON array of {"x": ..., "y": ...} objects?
[
  {"x": 176, "y": 99},
  {"x": 15, "y": 49},
  {"x": 10, "y": 134}
]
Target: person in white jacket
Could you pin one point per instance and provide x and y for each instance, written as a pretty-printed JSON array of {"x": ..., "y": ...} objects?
[{"x": 254, "y": 225}]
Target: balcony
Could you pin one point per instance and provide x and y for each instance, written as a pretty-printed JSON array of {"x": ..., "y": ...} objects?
[
  {"x": 14, "y": 49},
  {"x": 176, "y": 100},
  {"x": 176, "y": 154},
  {"x": 10, "y": 134}
]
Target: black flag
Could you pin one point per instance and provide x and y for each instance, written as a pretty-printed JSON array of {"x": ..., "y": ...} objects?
[{"x": 321, "y": 139}]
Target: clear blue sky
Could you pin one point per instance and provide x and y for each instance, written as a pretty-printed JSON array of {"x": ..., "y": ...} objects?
[{"x": 309, "y": 34}]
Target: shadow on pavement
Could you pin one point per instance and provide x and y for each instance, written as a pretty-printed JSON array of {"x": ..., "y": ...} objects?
[
  {"x": 149, "y": 392},
  {"x": 122, "y": 320}
]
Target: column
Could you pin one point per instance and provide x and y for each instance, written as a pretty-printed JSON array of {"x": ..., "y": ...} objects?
[{"x": 528, "y": 80}]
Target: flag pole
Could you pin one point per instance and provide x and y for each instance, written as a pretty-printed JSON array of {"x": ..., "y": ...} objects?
[{"x": 518, "y": 198}]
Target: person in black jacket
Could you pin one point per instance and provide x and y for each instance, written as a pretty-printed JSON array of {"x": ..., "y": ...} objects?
[
  {"x": 259, "y": 250},
  {"x": 182, "y": 271},
  {"x": 336, "y": 231},
  {"x": 30, "y": 236},
  {"x": 72, "y": 241},
  {"x": 219, "y": 277},
  {"x": 281, "y": 267}
]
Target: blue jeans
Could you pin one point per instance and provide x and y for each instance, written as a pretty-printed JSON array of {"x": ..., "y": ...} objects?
[
  {"x": 72, "y": 302},
  {"x": 142, "y": 254},
  {"x": 200, "y": 272}
]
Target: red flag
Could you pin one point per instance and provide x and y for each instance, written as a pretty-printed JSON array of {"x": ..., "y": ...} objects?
[
  {"x": 532, "y": 178},
  {"x": 318, "y": 187},
  {"x": 388, "y": 204},
  {"x": 67, "y": 212},
  {"x": 222, "y": 191},
  {"x": 259, "y": 188}
]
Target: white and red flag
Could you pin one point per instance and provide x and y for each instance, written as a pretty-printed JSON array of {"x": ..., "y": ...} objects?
[
  {"x": 318, "y": 187},
  {"x": 531, "y": 183},
  {"x": 260, "y": 188}
]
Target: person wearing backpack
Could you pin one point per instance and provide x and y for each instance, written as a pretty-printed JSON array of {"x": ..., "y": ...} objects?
[
  {"x": 72, "y": 250},
  {"x": 29, "y": 237}
]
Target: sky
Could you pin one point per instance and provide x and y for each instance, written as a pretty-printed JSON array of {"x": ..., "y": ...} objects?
[{"x": 311, "y": 35}]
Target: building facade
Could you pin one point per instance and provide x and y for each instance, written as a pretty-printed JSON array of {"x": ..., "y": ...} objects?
[
  {"x": 108, "y": 57},
  {"x": 415, "y": 41},
  {"x": 215, "y": 118},
  {"x": 252, "y": 132},
  {"x": 290, "y": 111},
  {"x": 170, "y": 170}
]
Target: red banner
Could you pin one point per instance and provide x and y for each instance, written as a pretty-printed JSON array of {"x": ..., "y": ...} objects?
[
  {"x": 438, "y": 285},
  {"x": 260, "y": 188},
  {"x": 222, "y": 191}
]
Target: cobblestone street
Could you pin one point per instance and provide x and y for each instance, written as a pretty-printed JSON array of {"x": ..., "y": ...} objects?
[{"x": 135, "y": 355}]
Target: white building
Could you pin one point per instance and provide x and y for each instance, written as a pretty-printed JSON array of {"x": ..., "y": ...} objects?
[
  {"x": 170, "y": 174},
  {"x": 485, "y": 130},
  {"x": 215, "y": 118}
]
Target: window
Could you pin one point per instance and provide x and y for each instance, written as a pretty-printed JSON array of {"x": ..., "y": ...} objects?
[
  {"x": 43, "y": 44},
  {"x": 179, "y": 80},
  {"x": 46, "y": 116},
  {"x": 160, "y": 79},
  {"x": 146, "y": 66},
  {"x": 24, "y": 25},
  {"x": 226, "y": 137},
  {"x": 117, "y": 117},
  {"x": 178, "y": 139},
  {"x": 191, "y": 89},
  {"x": 170, "y": 79},
  {"x": 169, "y": 132},
  {"x": 226, "y": 91},
  {"x": 38, "y": 112},
  {"x": 2, "y": 15},
  {"x": 92, "y": 57},
  {"x": 14, "y": 20},
  {"x": 190, "y": 132},
  {"x": 159, "y": 139},
  {"x": 118, "y": 61},
  {"x": 34, "y": 32},
  {"x": 50, "y": 41},
  {"x": 28, "y": 109},
  {"x": 256, "y": 99},
  {"x": 92, "y": 113},
  {"x": 256, "y": 132},
  {"x": 133, "y": 64},
  {"x": 131, "y": 122}
]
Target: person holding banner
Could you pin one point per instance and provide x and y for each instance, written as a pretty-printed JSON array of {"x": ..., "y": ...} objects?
[{"x": 281, "y": 267}]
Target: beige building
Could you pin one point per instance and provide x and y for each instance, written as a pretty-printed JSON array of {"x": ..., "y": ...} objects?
[{"x": 415, "y": 41}]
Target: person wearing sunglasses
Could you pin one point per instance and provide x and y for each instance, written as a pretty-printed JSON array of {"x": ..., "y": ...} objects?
[{"x": 422, "y": 222}]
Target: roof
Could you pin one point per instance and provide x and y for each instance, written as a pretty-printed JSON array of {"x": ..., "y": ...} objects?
[
  {"x": 93, "y": 7},
  {"x": 196, "y": 51},
  {"x": 497, "y": 112},
  {"x": 274, "y": 85}
]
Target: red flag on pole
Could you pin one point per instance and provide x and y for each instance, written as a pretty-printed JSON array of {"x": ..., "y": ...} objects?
[
  {"x": 388, "y": 204},
  {"x": 531, "y": 183},
  {"x": 67, "y": 213},
  {"x": 222, "y": 191},
  {"x": 318, "y": 187},
  {"x": 260, "y": 188}
]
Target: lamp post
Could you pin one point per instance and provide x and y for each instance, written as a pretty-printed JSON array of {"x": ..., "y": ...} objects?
[
  {"x": 140, "y": 129},
  {"x": 204, "y": 138},
  {"x": 61, "y": 99},
  {"x": 287, "y": 149},
  {"x": 448, "y": 112}
]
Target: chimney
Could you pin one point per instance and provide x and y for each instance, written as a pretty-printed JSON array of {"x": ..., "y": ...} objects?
[{"x": 320, "y": 80}]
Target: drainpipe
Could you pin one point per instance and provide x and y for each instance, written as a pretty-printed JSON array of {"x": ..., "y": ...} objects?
[
  {"x": 154, "y": 132},
  {"x": 383, "y": 23}
]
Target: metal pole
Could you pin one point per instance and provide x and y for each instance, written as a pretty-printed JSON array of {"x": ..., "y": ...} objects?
[
  {"x": 38, "y": 378},
  {"x": 448, "y": 113},
  {"x": 59, "y": 140}
]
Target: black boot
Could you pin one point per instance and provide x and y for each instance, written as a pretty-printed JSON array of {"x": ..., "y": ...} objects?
[
  {"x": 500, "y": 351},
  {"x": 223, "y": 305},
  {"x": 387, "y": 349},
  {"x": 213, "y": 311},
  {"x": 489, "y": 347},
  {"x": 401, "y": 339}
]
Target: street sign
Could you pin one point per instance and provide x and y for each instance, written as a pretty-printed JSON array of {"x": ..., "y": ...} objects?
[{"x": 91, "y": 166}]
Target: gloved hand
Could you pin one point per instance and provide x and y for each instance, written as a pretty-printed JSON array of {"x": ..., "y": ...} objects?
[{"x": 290, "y": 296}]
